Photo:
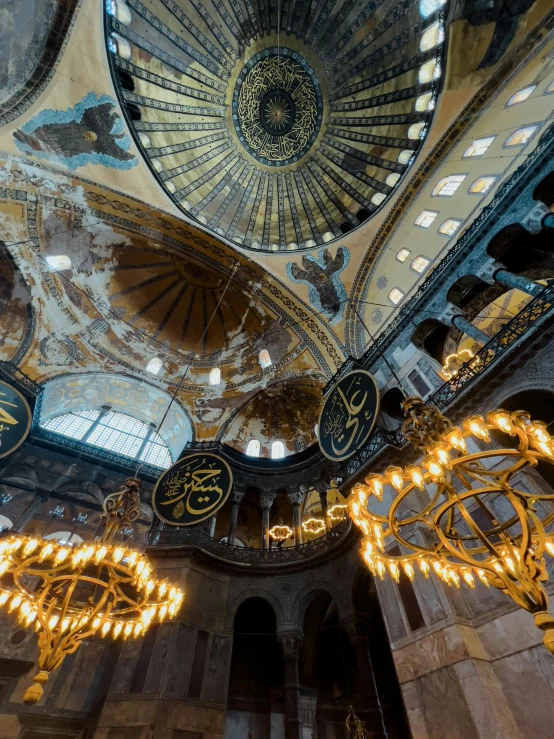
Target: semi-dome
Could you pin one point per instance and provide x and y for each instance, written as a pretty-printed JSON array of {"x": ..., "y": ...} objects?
[{"x": 279, "y": 127}]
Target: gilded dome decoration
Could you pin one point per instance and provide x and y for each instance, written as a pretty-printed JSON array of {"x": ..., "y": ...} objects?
[{"x": 278, "y": 128}]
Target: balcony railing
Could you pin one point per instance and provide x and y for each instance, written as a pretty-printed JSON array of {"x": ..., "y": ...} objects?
[{"x": 195, "y": 538}]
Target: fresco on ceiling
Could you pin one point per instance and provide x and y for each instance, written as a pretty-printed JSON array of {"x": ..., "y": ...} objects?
[
  {"x": 92, "y": 132},
  {"x": 326, "y": 292}
]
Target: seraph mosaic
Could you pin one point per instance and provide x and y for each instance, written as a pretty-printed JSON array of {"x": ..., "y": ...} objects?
[
  {"x": 91, "y": 132},
  {"x": 325, "y": 291}
]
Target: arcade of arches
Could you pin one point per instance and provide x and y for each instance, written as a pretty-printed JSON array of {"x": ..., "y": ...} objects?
[{"x": 210, "y": 212}]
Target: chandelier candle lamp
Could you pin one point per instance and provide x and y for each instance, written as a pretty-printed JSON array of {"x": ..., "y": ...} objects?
[
  {"x": 463, "y": 514},
  {"x": 70, "y": 593},
  {"x": 338, "y": 512},
  {"x": 281, "y": 532},
  {"x": 314, "y": 525}
]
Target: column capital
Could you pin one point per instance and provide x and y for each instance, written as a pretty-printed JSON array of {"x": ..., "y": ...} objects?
[
  {"x": 237, "y": 497},
  {"x": 355, "y": 626},
  {"x": 290, "y": 642},
  {"x": 295, "y": 498},
  {"x": 266, "y": 501},
  {"x": 532, "y": 220}
]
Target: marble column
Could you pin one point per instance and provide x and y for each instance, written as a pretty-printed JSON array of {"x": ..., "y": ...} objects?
[
  {"x": 295, "y": 499},
  {"x": 525, "y": 284},
  {"x": 236, "y": 499},
  {"x": 213, "y": 521},
  {"x": 324, "y": 505},
  {"x": 291, "y": 641},
  {"x": 266, "y": 502},
  {"x": 470, "y": 330},
  {"x": 29, "y": 512}
]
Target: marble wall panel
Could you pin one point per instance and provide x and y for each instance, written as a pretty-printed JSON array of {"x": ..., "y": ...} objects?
[
  {"x": 179, "y": 666},
  {"x": 125, "y": 666},
  {"x": 388, "y": 598},
  {"x": 219, "y": 661},
  {"x": 160, "y": 658},
  {"x": 444, "y": 707}
]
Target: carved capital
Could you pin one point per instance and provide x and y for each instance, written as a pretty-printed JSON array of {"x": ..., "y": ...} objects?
[
  {"x": 290, "y": 642},
  {"x": 237, "y": 497},
  {"x": 295, "y": 498},
  {"x": 266, "y": 501},
  {"x": 532, "y": 220}
]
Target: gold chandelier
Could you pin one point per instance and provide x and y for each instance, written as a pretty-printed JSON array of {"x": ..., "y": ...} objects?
[
  {"x": 454, "y": 362},
  {"x": 337, "y": 512},
  {"x": 70, "y": 593},
  {"x": 314, "y": 525},
  {"x": 281, "y": 532},
  {"x": 463, "y": 514}
]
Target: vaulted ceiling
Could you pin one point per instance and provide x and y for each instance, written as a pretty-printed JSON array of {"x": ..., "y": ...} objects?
[{"x": 278, "y": 125}]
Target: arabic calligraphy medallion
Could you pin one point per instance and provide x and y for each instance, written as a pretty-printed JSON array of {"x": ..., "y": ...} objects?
[
  {"x": 348, "y": 415},
  {"x": 193, "y": 489},
  {"x": 277, "y": 106},
  {"x": 15, "y": 419}
]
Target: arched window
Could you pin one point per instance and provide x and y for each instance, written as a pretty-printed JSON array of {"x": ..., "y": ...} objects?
[
  {"x": 215, "y": 376},
  {"x": 5, "y": 523},
  {"x": 277, "y": 450},
  {"x": 450, "y": 226},
  {"x": 154, "y": 365},
  {"x": 521, "y": 136},
  {"x": 429, "y": 71},
  {"x": 253, "y": 448},
  {"x": 431, "y": 37},
  {"x": 482, "y": 185},
  {"x": 264, "y": 359},
  {"x": 428, "y": 7},
  {"x": 116, "y": 432},
  {"x": 520, "y": 96},
  {"x": 58, "y": 262},
  {"x": 446, "y": 187},
  {"x": 65, "y": 537}
]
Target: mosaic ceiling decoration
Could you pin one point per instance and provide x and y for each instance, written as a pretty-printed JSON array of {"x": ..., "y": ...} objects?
[{"x": 279, "y": 126}]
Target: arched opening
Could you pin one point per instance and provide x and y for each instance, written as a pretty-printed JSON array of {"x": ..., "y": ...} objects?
[
  {"x": 524, "y": 253},
  {"x": 544, "y": 191},
  {"x": 430, "y": 337},
  {"x": 391, "y": 404},
  {"x": 326, "y": 667},
  {"x": 255, "y": 700},
  {"x": 540, "y": 406},
  {"x": 465, "y": 290},
  {"x": 376, "y": 674}
]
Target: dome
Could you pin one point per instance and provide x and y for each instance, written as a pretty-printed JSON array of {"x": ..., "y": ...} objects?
[{"x": 277, "y": 130}]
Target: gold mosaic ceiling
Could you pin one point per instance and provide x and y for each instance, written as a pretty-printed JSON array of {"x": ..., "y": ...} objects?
[{"x": 280, "y": 126}]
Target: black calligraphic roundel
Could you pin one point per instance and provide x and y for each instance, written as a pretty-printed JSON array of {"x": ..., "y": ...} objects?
[
  {"x": 348, "y": 415},
  {"x": 193, "y": 489},
  {"x": 15, "y": 419}
]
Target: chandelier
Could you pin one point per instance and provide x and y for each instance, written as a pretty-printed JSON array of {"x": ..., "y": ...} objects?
[
  {"x": 454, "y": 362},
  {"x": 280, "y": 532},
  {"x": 70, "y": 593},
  {"x": 314, "y": 525},
  {"x": 464, "y": 514},
  {"x": 337, "y": 512}
]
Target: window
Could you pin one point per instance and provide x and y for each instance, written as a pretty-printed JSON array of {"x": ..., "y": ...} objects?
[
  {"x": 429, "y": 71},
  {"x": 405, "y": 156},
  {"x": 450, "y": 226},
  {"x": 395, "y": 295},
  {"x": 403, "y": 254},
  {"x": 58, "y": 262},
  {"x": 425, "y": 102},
  {"x": 521, "y": 136},
  {"x": 277, "y": 450},
  {"x": 416, "y": 131},
  {"x": 550, "y": 89},
  {"x": 482, "y": 185},
  {"x": 420, "y": 264},
  {"x": 432, "y": 36},
  {"x": 378, "y": 198},
  {"x": 392, "y": 179},
  {"x": 418, "y": 383},
  {"x": 520, "y": 96},
  {"x": 5, "y": 523},
  {"x": 253, "y": 448},
  {"x": 428, "y": 7},
  {"x": 215, "y": 376},
  {"x": 264, "y": 359},
  {"x": 426, "y": 218},
  {"x": 65, "y": 537},
  {"x": 154, "y": 365},
  {"x": 116, "y": 432},
  {"x": 448, "y": 185},
  {"x": 478, "y": 147}
]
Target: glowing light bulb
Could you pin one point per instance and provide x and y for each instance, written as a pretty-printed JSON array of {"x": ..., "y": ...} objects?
[
  {"x": 61, "y": 555},
  {"x": 149, "y": 587},
  {"x": 117, "y": 556},
  {"x": 361, "y": 493},
  {"x": 416, "y": 476},
  {"x": 437, "y": 472},
  {"x": 549, "y": 549},
  {"x": 481, "y": 575},
  {"x": 100, "y": 554},
  {"x": 468, "y": 578},
  {"x": 30, "y": 547},
  {"x": 96, "y": 623},
  {"x": 116, "y": 631},
  {"x": 394, "y": 474},
  {"x": 355, "y": 509},
  {"x": 162, "y": 589},
  {"x": 441, "y": 454},
  {"x": 503, "y": 421},
  {"x": 4, "y": 598},
  {"x": 394, "y": 571},
  {"x": 65, "y": 625},
  {"x": 127, "y": 630},
  {"x": 408, "y": 569},
  {"x": 162, "y": 613},
  {"x": 375, "y": 484},
  {"x": 53, "y": 622},
  {"x": 476, "y": 425},
  {"x": 4, "y": 564},
  {"x": 381, "y": 569},
  {"x": 456, "y": 439},
  {"x": 424, "y": 567},
  {"x": 537, "y": 429},
  {"x": 454, "y": 578},
  {"x": 140, "y": 566},
  {"x": 105, "y": 628},
  {"x": 14, "y": 603},
  {"x": 138, "y": 629},
  {"x": 132, "y": 558},
  {"x": 46, "y": 551}
]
